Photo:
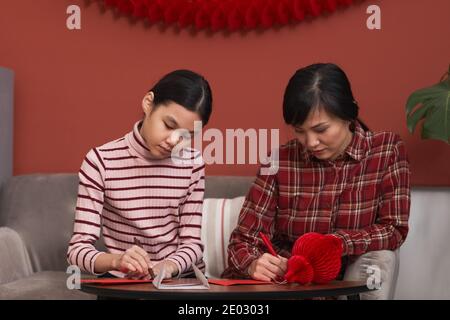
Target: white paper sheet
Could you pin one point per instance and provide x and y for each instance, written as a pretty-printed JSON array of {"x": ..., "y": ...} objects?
[{"x": 182, "y": 283}]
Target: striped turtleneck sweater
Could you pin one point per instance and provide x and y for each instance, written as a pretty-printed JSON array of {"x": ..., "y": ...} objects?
[{"x": 123, "y": 194}]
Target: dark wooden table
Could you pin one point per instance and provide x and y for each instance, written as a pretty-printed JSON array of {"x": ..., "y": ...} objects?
[{"x": 352, "y": 289}]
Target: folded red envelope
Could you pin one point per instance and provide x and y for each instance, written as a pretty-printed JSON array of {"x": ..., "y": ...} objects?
[
  {"x": 113, "y": 281},
  {"x": 233, "y": 282}
]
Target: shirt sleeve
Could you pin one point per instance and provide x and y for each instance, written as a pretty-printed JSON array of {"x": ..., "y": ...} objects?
[
  {"x": 87, "y": 223},
  {"x": 391, "y": 226},
  {"x": 257, "y": 214},
  {"x": 190, "y": 249}
]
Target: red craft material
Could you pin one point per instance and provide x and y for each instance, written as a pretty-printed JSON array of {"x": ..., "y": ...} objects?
[
  {"x": 316, "y": 258},
  {"x": 230, "y": 15}
]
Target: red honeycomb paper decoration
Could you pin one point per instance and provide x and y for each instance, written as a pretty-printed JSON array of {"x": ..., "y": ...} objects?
[{"x": 228, "y": 15}]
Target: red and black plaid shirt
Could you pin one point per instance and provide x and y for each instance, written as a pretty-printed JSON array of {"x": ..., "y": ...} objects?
[{"x": 363, "y": 197}]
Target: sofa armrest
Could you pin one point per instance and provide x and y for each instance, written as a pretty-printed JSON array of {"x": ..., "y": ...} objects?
[
  {"x": 387, "y": 262},
  {"x": 15, "y": 262}
]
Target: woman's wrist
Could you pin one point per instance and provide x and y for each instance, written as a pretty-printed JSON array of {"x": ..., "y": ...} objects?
[{"x": 250, "y": 269}]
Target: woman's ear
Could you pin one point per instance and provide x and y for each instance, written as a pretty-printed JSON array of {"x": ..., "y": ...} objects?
[{"x": 147, "y": 103}]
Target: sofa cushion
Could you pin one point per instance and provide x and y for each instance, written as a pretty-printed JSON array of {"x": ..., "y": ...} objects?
[
  {"x": 220, "y": 217},
  {"x": 46, "y": 285},
  {"x": 15, "y": 262}
]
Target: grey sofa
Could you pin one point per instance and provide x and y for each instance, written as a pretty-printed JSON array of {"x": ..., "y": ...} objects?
[{"x": 36, "y": 221}]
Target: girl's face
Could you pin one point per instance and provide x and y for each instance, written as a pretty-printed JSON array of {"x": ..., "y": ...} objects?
[
  {"x": 159, "y": 128},
  {"x": 324, "y": 135}
]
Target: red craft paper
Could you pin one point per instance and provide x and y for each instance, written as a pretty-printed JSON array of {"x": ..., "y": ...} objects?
[
  {"x": 233, "y": 282},
  {"x": 114, "y": 281}
]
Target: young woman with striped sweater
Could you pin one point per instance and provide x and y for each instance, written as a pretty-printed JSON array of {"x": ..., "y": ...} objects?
[{"x": 132, "y": 188}]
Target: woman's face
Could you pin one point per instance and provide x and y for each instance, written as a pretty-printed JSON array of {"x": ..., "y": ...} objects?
[
  {"x": 161, "y": 126},
  {"x": 324, "y": 135}
]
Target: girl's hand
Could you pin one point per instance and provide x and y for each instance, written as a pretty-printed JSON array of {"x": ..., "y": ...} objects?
[
  {"x": 134, "y": 262},
  {"x": 170, "y": 267},
  {"x": 268, "y": 267}
]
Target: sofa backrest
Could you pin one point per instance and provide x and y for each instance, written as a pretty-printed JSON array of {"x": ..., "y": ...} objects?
[{"x": 40, "y": 208}]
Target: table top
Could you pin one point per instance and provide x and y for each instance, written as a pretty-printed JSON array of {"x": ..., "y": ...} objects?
[{"x": 217, "y": 292}]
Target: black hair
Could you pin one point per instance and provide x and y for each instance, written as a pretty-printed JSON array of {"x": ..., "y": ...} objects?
[
  {"x": 319, "y": 85},
  {"x": 186, "y": 88}
]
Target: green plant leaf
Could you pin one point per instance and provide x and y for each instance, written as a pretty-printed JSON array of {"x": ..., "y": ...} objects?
[
  {"x": 422, "y": 95},
  {"x": 415, "y": 117},
  {"x": 432, "y": 104}
]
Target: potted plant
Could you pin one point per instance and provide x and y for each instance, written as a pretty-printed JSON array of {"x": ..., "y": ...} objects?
[{"x": 431, "y": 104}]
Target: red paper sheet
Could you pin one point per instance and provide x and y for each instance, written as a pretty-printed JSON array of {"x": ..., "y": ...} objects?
[
  {"x": 114, "y": 281},
  {"x": 233, "y": 282}
]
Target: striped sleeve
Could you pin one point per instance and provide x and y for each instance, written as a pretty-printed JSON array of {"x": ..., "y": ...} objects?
[
  {"x": 87, "y": 223},
  {"x": 190, "y": 249},
  {"x": 391, "y": 225}
]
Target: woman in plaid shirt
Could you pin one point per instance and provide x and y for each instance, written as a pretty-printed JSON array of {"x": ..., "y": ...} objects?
[{"x": 336, "y": 177}]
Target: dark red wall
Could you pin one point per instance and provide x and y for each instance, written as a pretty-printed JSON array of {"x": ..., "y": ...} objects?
[{"x": 78, "y": 89}]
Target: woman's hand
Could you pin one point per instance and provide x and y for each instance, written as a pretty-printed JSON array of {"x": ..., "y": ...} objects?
[
  {"x": 134, "y": 262},
  {"x": 268, "y": 267}
]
